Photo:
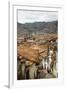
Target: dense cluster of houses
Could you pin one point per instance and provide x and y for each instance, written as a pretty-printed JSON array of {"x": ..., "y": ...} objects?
[{"x": 37, "y": 57}]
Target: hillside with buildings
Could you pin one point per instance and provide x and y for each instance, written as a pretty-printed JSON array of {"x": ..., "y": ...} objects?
[{"x": 37, "y": 50}]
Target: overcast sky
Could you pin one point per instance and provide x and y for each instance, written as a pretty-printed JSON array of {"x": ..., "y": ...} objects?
[{"x": 36, "y": 16}]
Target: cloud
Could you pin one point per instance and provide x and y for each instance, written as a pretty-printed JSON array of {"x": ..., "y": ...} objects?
[{"x": 36, "y": 16}]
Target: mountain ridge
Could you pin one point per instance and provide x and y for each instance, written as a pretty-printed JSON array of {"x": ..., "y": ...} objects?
[{"x": 40, "y": 27}]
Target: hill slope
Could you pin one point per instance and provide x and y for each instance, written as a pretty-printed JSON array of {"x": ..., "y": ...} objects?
[{"x": 40, "y": 27}]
